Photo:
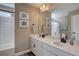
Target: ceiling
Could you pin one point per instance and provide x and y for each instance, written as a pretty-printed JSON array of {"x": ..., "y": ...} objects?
[
  {"x": 59, "y": 9},
  {"x": 57, "y": 6},
  {"x": 37, "y": 5}
]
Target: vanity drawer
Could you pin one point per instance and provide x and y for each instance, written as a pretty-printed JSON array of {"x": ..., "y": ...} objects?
[
  {"x": 56, "y": 51},
  {"x": 47, "y": 53}
]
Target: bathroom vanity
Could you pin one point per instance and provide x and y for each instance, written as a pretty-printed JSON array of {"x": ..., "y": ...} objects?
[{"x": 51, "y": 46}]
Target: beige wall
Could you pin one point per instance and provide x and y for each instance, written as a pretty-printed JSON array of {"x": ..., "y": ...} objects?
[{"x": 22, "y": 39}]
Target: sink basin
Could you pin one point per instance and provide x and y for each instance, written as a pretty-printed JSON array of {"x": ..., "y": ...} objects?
[
  {"x": 61, "y": 44},
  {"x": 66, "y": 45}
]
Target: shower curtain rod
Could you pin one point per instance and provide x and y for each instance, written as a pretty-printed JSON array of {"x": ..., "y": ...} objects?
[{"x": 6, "y": 11}]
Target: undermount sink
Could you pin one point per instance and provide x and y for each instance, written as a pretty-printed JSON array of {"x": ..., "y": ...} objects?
[
  {"x": 61, "y": 44},
  {"x": 66, "y": 45}
]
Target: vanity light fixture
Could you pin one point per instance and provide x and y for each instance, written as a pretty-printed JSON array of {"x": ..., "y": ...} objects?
[{"x": 44, "y": 7}]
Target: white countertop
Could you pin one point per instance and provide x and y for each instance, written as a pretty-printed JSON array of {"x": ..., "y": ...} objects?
[{"x": 55, "y": 42}]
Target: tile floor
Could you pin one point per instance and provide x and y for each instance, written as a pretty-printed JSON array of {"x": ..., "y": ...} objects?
[
  {"x": 8, "y": 52},
  {"x": 11, "y": 52}
]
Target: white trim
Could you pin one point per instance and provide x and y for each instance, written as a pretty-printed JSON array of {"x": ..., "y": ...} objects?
[{"x": 22, "y": 52}]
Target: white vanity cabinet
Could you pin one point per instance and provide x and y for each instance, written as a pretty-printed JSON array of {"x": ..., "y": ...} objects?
[
  {"x": 42, "y": 49},
  {"x": 38, "y": 49}
]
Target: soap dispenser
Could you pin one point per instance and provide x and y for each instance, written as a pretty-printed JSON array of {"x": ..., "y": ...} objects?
[
  {"x": 64, "y": 38},
  {"x": 72, "y": 39}
]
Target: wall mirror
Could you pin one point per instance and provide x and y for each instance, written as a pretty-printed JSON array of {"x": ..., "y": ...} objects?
[{"x": 59, "y": 26}]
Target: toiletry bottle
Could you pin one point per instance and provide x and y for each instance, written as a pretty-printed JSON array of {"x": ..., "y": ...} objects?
[
  {"x": 66, "y": 38},
  {"x": 63, "y": 38}
]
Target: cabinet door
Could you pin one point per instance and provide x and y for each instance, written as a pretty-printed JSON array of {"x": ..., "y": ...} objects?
[
  {"x": 39, "y": 50},
  {"x": 47, "y": 53},
  {"x": 33, "y": 46},
  {"x": 36, "y": 48}
]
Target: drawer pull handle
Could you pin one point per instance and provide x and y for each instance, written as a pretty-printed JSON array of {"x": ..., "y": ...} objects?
[{"x": 34, "y": 45}]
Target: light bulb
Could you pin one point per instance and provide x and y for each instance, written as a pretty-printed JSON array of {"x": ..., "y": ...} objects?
[{"x": 43, "y": 6}]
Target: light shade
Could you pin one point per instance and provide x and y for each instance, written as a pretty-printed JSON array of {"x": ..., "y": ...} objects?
[{"x": 44, "y": 7}]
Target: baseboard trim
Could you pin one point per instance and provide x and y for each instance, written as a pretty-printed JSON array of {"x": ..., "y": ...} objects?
[
  {"x": 6, "y": 46},
  {"x": 22, "y": 52}
]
